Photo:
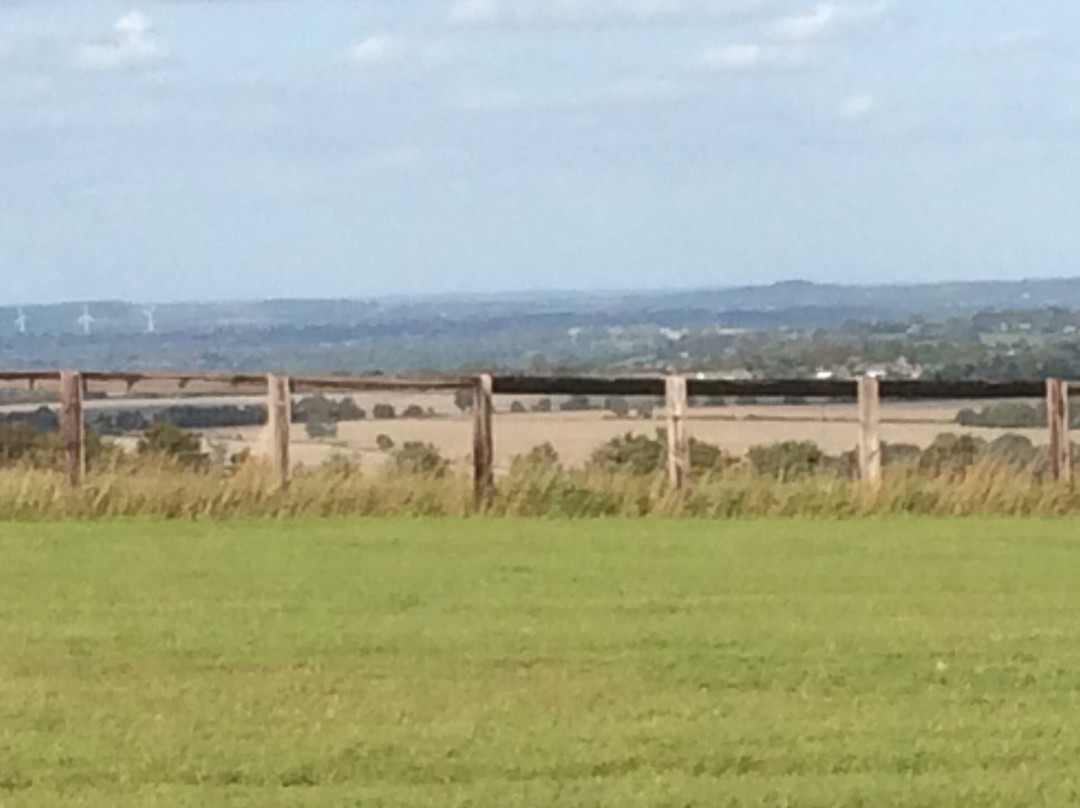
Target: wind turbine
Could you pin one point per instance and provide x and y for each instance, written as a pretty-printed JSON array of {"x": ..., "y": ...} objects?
[
  {"x": 148, "y": 313},
  {"x": 86, "y": 321},
  {"x": 20, "y": 321}
]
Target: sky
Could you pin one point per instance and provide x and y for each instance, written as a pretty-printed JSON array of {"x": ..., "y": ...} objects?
[{"x": 229, "y": 149}]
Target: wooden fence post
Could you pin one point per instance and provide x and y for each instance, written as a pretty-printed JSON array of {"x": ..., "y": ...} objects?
[
  {"x": 483, "y": 439},
  {"x": 869, "y": 430},
  {"x": 678, "y": 449},
  {"x": 72, "y": 426},
  {"x": 1057, "y": 416},
  {"x": 279, "y": 417}
]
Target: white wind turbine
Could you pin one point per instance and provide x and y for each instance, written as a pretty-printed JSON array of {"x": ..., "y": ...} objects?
[
  {"x": 148, "y": 313},
  {"x": 20, "y": 321},
  {"x": 86, "y": 321}
]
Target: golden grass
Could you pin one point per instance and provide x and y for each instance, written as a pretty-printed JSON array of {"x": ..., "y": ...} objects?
[{"x": 164, "y": 490}]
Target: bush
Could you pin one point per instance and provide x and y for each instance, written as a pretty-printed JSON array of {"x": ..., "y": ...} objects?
[
  {"x": 542, "y": 405},
  {"x": 645, "y": 412},
  {"x": 21, "y": 441},
  {"x": 788, "y": 460},
  {"x": 542, "y": 459},
  {"x": 384, "y": 442},
  {"x": 630, "y": 454},
  {"x": 170, "y": 441},
  {"x": 517, "y": 407},
  {"x": 641, "y": 454},
  {"x": 384, "y": 412},
  {"x": 414, "y": 411},
  {"x": 951, "y": 454},
  {"x": 421, "y": 459},
  {"x": 1015, "y": 450}
]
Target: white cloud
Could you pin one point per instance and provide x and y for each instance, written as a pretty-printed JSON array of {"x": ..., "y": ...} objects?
[
  {"x": 388, "y": 51},
  {"x": 831, "y": 19},
  {"x": 753, "y": 57},
  {"x": 858, "y": 107},
  {"x": 598, "y": 12},
  {"x": 377, "y": 51},
  {"x": 131, "y": 44}
]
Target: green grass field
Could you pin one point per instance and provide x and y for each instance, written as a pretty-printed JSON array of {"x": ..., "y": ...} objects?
[{"x": 514, "y": 663}]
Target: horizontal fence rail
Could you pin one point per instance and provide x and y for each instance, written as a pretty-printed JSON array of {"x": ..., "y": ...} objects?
[{"x": 675, "y": 390}]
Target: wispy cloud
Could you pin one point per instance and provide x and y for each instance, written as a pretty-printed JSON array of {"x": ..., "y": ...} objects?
[
  {"x": 379, "y": 50},
  {"x": 858, "y": 107},
  {"x": 132, "y": 43},
  {"x": 393, "y": 51},
  {"x": 752, "y": 57},
  {"x": 827, "y": 20},
  {"x": 600, "y": 12}
]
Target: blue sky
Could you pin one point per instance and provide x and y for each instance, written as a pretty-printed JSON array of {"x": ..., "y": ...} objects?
[{"x": 226, "y": 149}]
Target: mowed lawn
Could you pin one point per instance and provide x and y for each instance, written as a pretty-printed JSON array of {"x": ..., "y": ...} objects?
[{"x": 515, "y": 663}]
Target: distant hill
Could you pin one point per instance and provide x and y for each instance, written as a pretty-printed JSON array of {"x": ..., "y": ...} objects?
[{"x": 788, "y": 303}]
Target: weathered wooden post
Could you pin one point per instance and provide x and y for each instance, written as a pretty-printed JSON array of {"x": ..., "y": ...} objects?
[
  {"x": 678, "y": 449},
  {"x": 483, "y": 439},
  {"x": 279, "y": 417},
  {"x": 72, "y": 427},
  {"x": 869, "y": 430},
  {"x": 1057, "y": 417}
]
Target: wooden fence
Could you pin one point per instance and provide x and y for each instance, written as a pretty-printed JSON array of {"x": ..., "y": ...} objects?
[{"x": 676, "y": 391}]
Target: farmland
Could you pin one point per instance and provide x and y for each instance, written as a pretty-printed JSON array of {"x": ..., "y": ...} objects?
[
  {"x": 891, "y": 662},
  {"x": 575, "y": 435}
]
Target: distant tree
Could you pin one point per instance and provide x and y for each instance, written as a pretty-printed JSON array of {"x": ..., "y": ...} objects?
[
  {"x": 517, "y": 407},
  {"x": 384, "y": 412},
  {"x": 619, "y": 407},
  {"x": 414, "y": 411},
  {"x": 576, "y": 404},
  {"x": 542, "y": 405},
  {"x": 463, "y": 399},
  {"x": 349, "y": 411}
]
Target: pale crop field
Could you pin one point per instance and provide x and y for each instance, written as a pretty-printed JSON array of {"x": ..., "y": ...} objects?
[
  {"x": 493, "y": 663},
  {"x": 576, "y": 434}
]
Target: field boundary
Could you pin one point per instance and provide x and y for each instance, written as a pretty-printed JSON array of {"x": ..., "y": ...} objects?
[{"x": 867, "y": 391}]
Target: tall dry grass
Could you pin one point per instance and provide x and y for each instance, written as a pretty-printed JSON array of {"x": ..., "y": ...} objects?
[{"x": 167, "y": 490}]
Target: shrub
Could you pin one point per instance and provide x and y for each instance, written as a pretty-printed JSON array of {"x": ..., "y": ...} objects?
[
  {"x": 421, "y": 459},
  {"x": 517, "y": 407},
  {"x": 384, "y": 442},
  {"x": 414, "y": 411},
  {"x": 788, "y": 460},
  {"x": 641, "y": 454},
  {"x": 630, "y": 454},
  {"x": 170, "y": 441},
  {"x": 542, "y": 405},
  {"x": 645, "y": 412},
  {"x": 539, "y": 460},
  {"x": 384, "y": 412},
  {"x": 1016, "y": 450},
  {"x": 19, "y": 441},
  {"x": 951, "y": 454}
]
